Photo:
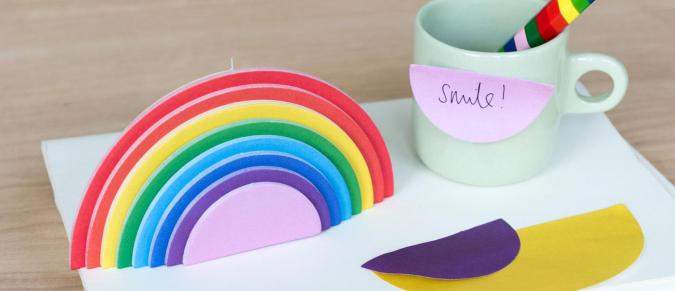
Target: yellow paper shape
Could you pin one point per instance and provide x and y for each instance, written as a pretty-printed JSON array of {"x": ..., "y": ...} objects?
[
  {"x": 213, "y": 119},
  {"x": 565, "y": 254}
]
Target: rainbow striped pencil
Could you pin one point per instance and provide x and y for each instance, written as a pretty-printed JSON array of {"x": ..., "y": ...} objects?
[{"x": 547, "y": 24}]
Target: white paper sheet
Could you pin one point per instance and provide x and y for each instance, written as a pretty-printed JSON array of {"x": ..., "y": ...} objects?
[{"x": 593, "y": 168}]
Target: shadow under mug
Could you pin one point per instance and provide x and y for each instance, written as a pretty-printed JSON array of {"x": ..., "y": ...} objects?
[{"x": 464, "y": 35}]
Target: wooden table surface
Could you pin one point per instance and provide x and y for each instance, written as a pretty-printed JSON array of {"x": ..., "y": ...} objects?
[{"x": 76, "y": 67}]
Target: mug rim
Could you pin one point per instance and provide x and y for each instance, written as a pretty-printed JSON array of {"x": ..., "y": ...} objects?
[{"x": 547, "y": 45}]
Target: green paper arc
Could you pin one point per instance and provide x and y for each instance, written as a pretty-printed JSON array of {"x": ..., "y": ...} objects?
[{"x": 237, "y": 130}]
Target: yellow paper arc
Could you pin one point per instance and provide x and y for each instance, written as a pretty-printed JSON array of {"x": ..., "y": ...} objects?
[
  {"x": 566, "y": 254},
  {"x": 210, "y": 120}
]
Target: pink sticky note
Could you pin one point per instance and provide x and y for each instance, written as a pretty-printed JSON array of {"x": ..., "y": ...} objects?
[
  {"x": 476, "y": 107},
  {"x": 253, "y": 216}
]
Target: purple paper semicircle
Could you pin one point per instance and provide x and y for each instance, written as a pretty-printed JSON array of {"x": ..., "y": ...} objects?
[
  {"x": 471, "y": 253},
  {"x": 241, "y": 178}
]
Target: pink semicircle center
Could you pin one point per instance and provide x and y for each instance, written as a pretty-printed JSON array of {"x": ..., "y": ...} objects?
[{"x": 251, "y": 217}]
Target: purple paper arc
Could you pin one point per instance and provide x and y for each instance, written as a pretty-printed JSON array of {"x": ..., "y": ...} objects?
[
  {"x": 475, "y": 252},
  {"x": 182, "y": 232}
]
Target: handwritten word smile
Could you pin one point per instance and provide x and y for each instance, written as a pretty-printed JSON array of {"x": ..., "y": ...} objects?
[{"x": 482, "y": 101}]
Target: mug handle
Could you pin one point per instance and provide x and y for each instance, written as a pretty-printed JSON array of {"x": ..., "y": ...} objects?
[{"x": 580, "y": 64}]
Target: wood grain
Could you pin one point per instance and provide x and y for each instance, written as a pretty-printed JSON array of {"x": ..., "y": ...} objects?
[{"x": 82, "y": 67}]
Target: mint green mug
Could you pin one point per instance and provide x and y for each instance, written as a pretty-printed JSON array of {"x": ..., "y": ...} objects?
[{"x": 464, "y": 35}]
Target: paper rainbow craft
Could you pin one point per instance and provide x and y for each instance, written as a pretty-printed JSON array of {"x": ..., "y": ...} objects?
[{"x": 228, "y": 163}]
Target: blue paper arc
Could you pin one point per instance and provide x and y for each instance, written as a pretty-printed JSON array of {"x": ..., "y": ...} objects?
[
  {"x": 229, "y": 167},
  {"x": 225, "y": 153}
]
